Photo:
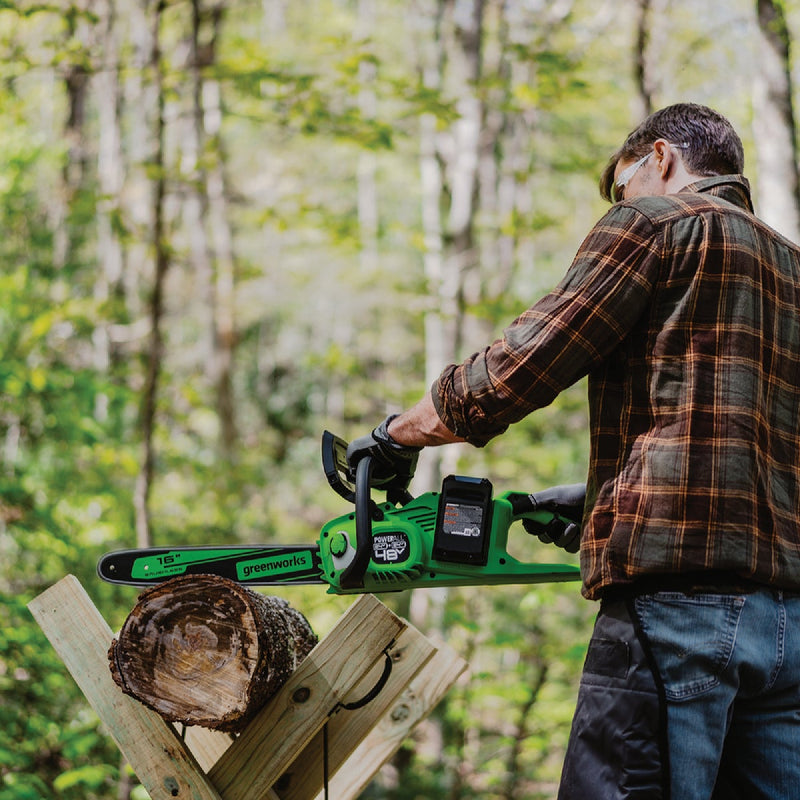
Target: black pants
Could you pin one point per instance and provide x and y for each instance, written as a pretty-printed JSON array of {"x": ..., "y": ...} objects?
[{"x": 617, "y": 747}]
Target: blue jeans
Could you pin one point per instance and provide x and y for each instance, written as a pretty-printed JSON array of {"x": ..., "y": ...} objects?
[
  {"x": 730, "y": 668},
  {"x": 693, "y": 697}
]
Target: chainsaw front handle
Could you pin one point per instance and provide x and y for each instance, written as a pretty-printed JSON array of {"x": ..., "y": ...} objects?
[{"x": 353, "y": 575}]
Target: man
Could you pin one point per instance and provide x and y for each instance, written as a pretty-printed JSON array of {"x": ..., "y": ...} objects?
[{"x": 684, "y": 310}]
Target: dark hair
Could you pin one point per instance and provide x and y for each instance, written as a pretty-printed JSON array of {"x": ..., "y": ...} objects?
[{"x": 714, "y": 147}]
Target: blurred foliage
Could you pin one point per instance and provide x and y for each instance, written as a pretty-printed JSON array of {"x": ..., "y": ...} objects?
[
  {"x": 51, "y": 744},
  {"x": 324, "y": 338}
]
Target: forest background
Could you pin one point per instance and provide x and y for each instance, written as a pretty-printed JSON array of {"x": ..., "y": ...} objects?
[{"x": 227, "y": 226}]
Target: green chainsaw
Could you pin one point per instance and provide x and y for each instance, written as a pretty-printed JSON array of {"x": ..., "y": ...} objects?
[{"x": 455, "y": 537}]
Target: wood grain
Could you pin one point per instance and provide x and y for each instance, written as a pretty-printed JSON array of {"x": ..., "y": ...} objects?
[{"x": 203, "y": 650}]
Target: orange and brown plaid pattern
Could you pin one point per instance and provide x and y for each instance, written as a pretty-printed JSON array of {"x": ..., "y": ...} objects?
[{"x": 684, "y": 310}]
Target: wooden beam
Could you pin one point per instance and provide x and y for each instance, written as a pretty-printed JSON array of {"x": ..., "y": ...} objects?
[
  {"x": 285, "y": 738},
  {"x": 270, "y": 743},
  {"x": 305, "y": 778},
  {"x": 206, "y": 745},
  {"x": 389, "y": 732},
  {"x": 81, "y": 637}
]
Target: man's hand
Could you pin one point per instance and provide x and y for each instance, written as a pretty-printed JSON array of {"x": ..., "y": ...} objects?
[
  {"x": 392, "y": 463},
  {"x": 563, "y": 530}
]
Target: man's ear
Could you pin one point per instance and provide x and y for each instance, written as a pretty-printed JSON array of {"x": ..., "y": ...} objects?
[{"x": 665, "y": 158}]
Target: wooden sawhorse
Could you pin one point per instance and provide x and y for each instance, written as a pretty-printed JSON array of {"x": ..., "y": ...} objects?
[{"x": 300, "y": 737}]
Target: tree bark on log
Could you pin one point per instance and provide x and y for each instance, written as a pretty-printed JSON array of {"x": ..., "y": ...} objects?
[{"x": 203, "y": 650}]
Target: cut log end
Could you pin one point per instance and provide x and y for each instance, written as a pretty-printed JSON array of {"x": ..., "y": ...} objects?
[{"x": 203, "y": 650}]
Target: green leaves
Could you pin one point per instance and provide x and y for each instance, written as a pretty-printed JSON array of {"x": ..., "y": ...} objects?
[
  {"x": 87, "y": 779},
  {"x": 50, "y": 745},
  {"x": 313, "y": 121}
]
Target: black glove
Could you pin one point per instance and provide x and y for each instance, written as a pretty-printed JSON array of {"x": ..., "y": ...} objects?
[
  {"x": 393, "y": 464},
  {"x": 564, "y": 530}
]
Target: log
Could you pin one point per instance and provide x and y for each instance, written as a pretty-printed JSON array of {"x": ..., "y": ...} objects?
[{"x": 203, "y": 650}]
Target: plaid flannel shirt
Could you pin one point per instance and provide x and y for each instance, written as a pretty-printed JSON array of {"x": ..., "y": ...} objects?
[{"x": 684, "y": 310}]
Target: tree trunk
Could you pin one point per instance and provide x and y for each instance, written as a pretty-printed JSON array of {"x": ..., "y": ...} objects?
[
  {"x": 77, "y": 79},
  {"x": 368, "y": 215},
  {"x": 193, "y": 175},
  {"x": 773, "y": 124},
  {"x": 643, "y": 98},
  {"x": 461, "y": 155},
  {"x": 202, "y": 650},
  {"x": 144, "y": 480},
  {"x": 449, "y": 175},
  {"x": 429, "y": 23},
  {"x": 138, "y": 103},
  {"x": 110, "y": 179},
  {"x": 514, "y": 786},
  {"x": 222, "y": 246}
]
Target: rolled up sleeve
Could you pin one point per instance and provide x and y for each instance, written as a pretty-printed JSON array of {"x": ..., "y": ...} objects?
[{"x": 559, "y": 339}]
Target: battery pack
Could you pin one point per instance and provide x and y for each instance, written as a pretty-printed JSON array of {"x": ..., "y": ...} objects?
[{"x": 463, "y": 521}]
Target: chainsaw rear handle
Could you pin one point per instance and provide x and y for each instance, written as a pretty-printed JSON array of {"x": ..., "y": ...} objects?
[
  {"x": 563, "y": 504},
  {"x": 554, "y": 499},
  {"x": 521, "y": 504}
]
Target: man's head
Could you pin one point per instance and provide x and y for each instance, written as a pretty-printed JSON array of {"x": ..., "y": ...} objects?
[{"x": 685, "y": 138}]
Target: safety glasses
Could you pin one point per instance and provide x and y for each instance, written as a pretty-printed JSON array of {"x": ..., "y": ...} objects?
[{"x": 624, "y": 178}]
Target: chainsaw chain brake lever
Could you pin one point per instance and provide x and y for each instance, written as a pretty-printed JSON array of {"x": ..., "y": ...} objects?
[
  {"x": 342, "y": 480},
  {"x": 357, "y": 490}
]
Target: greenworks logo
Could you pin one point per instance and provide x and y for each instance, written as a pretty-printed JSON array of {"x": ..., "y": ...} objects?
[{"x": 297, "y": 562}]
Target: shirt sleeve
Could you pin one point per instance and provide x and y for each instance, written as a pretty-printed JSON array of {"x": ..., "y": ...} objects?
[{"x": 562, "y": 337}]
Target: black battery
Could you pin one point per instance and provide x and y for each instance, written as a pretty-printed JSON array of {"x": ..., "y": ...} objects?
[{"x": 464, "y": 520}]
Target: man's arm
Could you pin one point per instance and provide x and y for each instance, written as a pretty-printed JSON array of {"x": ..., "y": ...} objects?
[{"x": 421, "y": 426}]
